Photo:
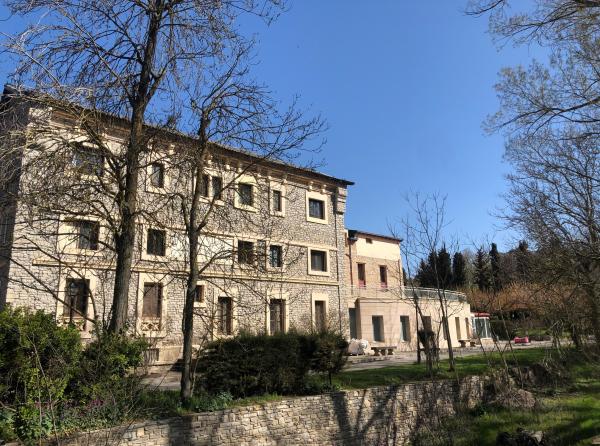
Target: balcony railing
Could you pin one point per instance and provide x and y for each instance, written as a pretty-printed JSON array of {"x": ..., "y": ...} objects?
[{"x": 406, "y": 293}]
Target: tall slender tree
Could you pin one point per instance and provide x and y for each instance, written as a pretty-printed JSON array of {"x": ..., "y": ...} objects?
[{"x": 459, "y": 274}]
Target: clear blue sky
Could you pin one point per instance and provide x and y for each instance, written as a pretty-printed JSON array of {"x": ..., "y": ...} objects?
[{"x": 404, "y": 87}]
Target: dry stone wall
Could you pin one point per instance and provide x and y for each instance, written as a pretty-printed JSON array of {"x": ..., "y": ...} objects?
[{"x": 376, "y": 416}]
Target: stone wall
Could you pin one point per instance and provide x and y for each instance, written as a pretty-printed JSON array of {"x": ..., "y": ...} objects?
[{"x": 376, "y": 416}]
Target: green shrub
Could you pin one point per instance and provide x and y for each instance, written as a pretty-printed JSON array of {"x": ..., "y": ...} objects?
[{"x": 249, "y": 365}]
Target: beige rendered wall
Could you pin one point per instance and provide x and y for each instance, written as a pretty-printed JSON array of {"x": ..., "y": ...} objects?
[{"x": 392, "y": 308}]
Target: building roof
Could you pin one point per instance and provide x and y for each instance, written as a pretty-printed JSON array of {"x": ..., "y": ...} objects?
[
  {"x": 357, "y": 232},
  {"x": 12, "y": 91}
]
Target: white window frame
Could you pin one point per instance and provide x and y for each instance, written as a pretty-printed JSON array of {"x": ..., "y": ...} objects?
[
  {"x": 286, "y": 322},
  {"x": 246, "y": 179},
  {"x": 152, "y": 278},
  {"x": 321, "y": 197},
  {"x": 327, "y": 260}
]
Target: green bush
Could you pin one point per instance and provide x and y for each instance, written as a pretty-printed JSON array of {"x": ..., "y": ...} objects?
[
  {"x": 48, "y": 383},
  {"x": 249, "y": 365}
]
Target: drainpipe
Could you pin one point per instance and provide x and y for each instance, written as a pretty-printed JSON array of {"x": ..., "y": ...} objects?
[{"x": 337, "y": 264}]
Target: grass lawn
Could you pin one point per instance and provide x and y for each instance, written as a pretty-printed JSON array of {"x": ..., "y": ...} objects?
[{"x": 399, "y": 374}]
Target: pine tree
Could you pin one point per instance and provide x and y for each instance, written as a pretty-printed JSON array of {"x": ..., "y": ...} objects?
[
  {"x": 459, "y": 273},
  {"x": 444, "y": 268},
  {"x": 482, "y": 270},
  {"x": 496, "y": 274}
]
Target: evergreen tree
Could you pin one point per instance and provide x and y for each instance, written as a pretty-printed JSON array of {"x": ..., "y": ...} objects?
[
  {"x": 496, "y": 274},
  {"x": 459, "y": 273},
  {"x": 523, "y": 261},
  {"x": 482, "y": 270},
  {"x": 424, "y": 274},
  {"x": 444, "y": 268}
]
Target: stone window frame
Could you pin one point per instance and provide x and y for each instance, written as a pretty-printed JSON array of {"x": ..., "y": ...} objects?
[
  {"x": 281, "y": 187},
  {"x": 312, "y": 272},
  {"x": 251, "y": 180},
  {"x": 152, "y": 278},
  {"x": 168, "y": 247},
  {"x": 317, "y": 296},
  {"x": 66, "y": 241},
  {"x": 86, "y": 332},
  {"x": 321, "y": 196},
  {"x": 286, "y": 323}
]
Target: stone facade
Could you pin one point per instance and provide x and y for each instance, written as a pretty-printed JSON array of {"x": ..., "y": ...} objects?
[
  {"x": 376, "y": 416},
  {"x": 43, "y": 255}
]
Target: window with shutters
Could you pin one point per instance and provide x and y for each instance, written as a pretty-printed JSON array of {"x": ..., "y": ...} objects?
[
  {"x": 320, "y": 315},
  {"x": 76, "y": 300},
  {"x": 276, "y": 316},
  {"x": 224, "y": 315}
]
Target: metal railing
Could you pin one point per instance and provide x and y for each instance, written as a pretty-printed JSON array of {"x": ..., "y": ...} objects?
[{"x": 406, "y": 293}]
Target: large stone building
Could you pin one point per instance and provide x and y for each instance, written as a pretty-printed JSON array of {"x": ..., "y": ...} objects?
[
  {"x": 274, "y": 243},
  {"x": 274, "y": 254},
  {"x": 382, "y": 309}
]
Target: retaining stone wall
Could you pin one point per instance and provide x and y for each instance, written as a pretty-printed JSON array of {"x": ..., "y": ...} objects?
[{"x": 376, "y": 416}]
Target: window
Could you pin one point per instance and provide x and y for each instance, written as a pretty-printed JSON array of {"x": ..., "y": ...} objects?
[
  {"x": 199, "y": 294},
  {"x": 225, "y": 316},
  {"x": 369, "y": 241},
  {"x": 362, "y": 276},
  {"x": 427, "y": 323},
  {"x": 457, "y": 322},
  {"x": 467, "y": 328},
  {"x": 88, "y": 233},
  {"x": 88, "y": 160},
  {"x": 152, "y": 303},
  {"x": 320, "y": 316},
  {"x": 157, "y": 175},
  {"x": 404, "y": 329},
  {"x": 377, "y": 328},
  {"x": 217, "y": 188},
  {"x": 383, "y": 276},
  {"x": 275, "y": 256},
  {"x": 443, "y": 328},
  {"x": 482, "y": 327},
  {"x": 318, "y": 260},
  {"x": 204, "y": 182},
  {"x": 276, "y": 201},
  {"x": 352, "y": 318},
  {"x": 316, "y": 208},
  {"x": 76, "y": 299},
  {"x": 246, "y": 192},
  {"x": 156, "y": 244},
  {"x": 277, "y": 316},
  {"x": 245, "y": 252}
]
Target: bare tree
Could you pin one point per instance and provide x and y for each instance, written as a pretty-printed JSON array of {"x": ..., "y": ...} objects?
[{"x": 128, "y": 59}]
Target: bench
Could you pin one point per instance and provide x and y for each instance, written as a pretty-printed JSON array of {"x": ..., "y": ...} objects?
[
  {"x": 383, "y": 350},
  {"x": 463, "y": 343}
]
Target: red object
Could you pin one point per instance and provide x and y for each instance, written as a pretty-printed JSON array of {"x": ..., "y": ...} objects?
[{"x": 523, "y": 340}]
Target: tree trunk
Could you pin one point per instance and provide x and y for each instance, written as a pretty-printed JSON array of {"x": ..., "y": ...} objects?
[
  {"x": 128, "y": 207},
  {"x": 446, "y": 328},
  {"x": 188, "y": 321}
]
